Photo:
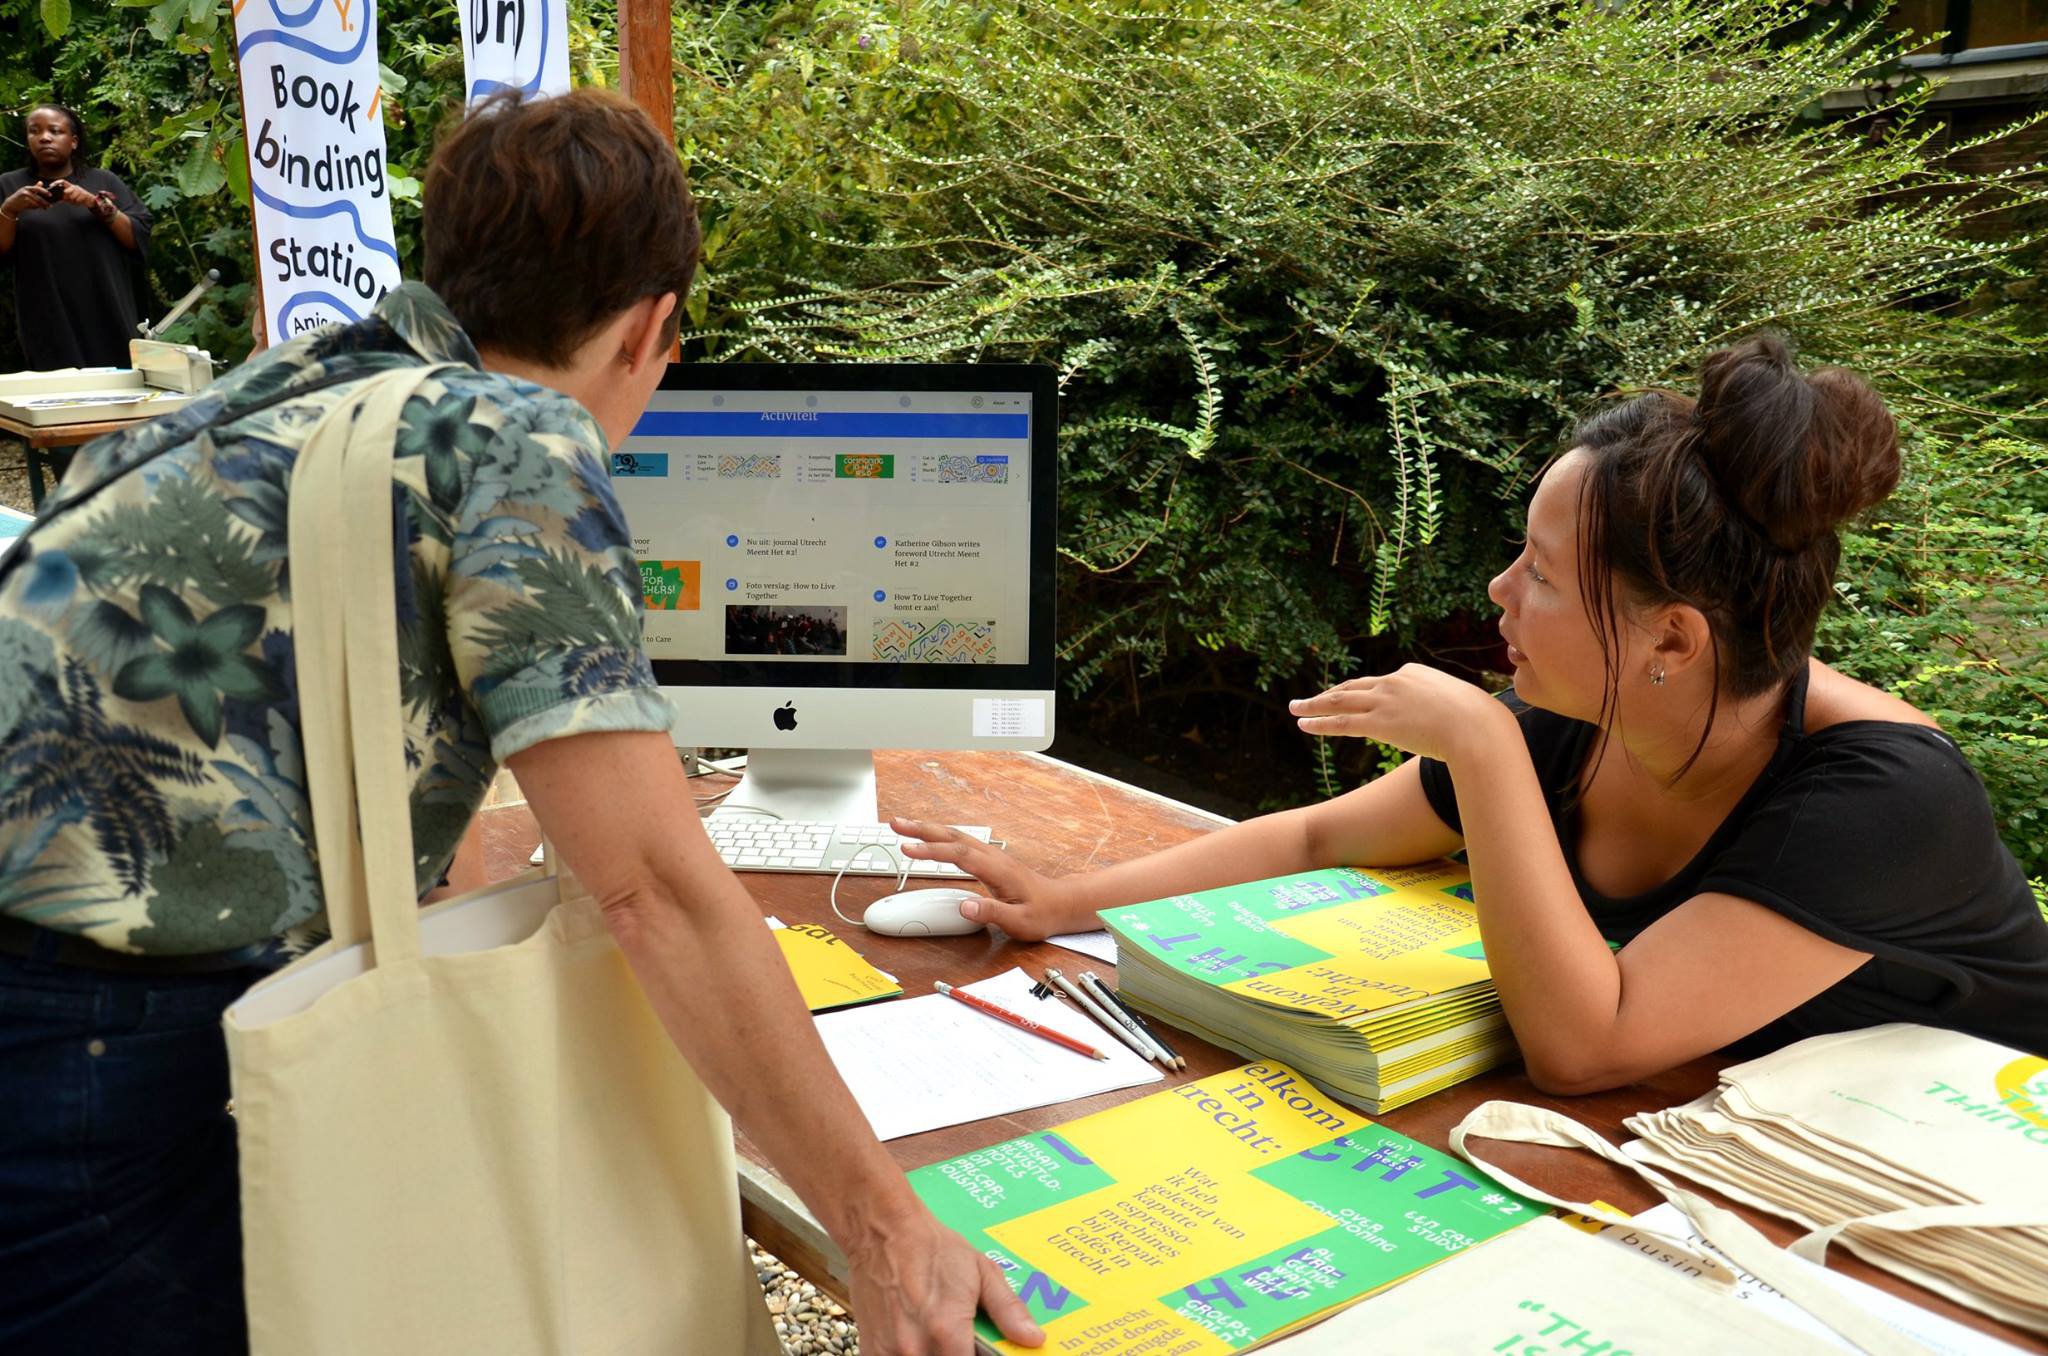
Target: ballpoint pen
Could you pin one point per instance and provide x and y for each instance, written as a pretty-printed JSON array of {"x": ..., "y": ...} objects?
[
  {"x": 1102, "y": 1019},
  {"x": 1118, "y": 1009}
]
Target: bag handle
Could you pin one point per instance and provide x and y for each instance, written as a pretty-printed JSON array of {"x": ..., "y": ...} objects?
[
  {"x": 344, "y": 604},
  {"x": 1728, "y": 1232}
]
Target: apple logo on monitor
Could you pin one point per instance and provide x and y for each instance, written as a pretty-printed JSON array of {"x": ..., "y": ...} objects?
[{"x": 785, "y": 716}]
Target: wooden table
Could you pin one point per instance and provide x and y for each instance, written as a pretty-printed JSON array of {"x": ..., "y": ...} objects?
[
  {"x": 44, "y": 440},
  {"x": 1063, "y": 819}
]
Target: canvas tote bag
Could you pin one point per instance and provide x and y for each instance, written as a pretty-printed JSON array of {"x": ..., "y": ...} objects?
[
  {"x": 462, "y": 1129},
  {"x": 1742, "y": 1243}
]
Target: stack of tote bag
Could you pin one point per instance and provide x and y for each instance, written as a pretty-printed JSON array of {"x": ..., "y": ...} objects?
[
  {"x": 461, "y": 1129},
  {"x": 1923, "y": 1151}
]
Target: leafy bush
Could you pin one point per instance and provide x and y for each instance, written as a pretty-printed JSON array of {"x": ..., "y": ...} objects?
[{"x": 1326, "y": 282}]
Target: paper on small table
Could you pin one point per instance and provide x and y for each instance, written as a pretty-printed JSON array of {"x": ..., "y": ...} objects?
[
  {"x": 1098, "y": 944},
  {"x": 920, "y": 1063}
]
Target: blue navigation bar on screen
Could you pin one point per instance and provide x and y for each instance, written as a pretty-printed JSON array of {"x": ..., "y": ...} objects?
[{"x": 827, "y": 424}]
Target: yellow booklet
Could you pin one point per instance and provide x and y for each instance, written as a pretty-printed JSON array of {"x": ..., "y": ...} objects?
[{"x": 829, "y": 973}]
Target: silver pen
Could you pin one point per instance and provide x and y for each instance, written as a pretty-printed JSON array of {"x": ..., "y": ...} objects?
[
  {"x": 1123, "y": 1019},
  {"x": 1094, "y": 1009}
]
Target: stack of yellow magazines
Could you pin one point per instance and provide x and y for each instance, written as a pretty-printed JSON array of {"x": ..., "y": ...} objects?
[{"x": 1370, "y": 981}]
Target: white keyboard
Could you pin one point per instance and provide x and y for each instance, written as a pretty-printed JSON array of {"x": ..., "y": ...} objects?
[{"x": 749, "y": 843}]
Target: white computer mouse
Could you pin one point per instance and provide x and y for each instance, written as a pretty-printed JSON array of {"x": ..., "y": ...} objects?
[{"x": 921, "y": 913}]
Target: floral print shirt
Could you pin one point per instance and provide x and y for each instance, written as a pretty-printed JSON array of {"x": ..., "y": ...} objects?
[{"x": 152, "y": 791}]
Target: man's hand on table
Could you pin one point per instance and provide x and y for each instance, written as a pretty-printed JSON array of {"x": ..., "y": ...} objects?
[
  {"x": 1023, "y": 903},
  {"x": 915, "y": 1285}
]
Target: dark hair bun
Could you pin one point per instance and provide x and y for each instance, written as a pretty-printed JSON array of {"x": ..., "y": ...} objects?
[{"x": 1793, "y": 454}]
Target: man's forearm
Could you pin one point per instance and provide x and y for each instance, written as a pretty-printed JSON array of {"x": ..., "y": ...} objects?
[{"x": 717, "y": 981}]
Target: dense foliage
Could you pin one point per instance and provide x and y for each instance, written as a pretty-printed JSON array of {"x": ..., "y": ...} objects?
[{"x": 1326, "y": 280}]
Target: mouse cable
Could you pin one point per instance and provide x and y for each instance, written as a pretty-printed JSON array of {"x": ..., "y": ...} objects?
[{"x": 902, "y": 877}]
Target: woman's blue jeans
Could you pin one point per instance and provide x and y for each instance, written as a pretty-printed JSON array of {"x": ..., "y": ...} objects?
[{"x": 120, "y": 1231}]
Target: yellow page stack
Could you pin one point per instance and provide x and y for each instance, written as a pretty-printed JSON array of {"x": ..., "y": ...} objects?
[{"x": 1371, "y": 980}]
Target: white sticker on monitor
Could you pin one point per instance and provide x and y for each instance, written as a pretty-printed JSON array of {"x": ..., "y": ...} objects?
[{"x": 1009, "y": 717}]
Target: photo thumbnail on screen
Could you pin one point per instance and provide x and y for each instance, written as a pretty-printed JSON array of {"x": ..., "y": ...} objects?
[{"x": 767, "y": 629}]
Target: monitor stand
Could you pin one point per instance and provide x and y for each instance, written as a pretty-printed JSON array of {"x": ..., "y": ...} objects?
[{"x": 833, "y": 786}]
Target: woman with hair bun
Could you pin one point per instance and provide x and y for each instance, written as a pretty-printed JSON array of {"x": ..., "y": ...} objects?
[{"x": 1778, "y": 850}]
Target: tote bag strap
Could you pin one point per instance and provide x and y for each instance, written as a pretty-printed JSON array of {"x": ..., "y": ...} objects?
[
  {"x": 1743, "y": 1245},
  {"x": 341, "y": 554}
]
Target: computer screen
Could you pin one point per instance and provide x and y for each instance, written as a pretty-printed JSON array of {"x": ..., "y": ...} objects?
[{"x": 848, "y": 555}]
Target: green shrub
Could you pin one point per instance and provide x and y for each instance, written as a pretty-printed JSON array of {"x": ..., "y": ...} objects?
[{"x": 1327, "y": 281}]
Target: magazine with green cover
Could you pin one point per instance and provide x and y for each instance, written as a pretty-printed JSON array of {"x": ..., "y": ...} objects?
[
  {"x": 1210, "y": 1217},
  {"x": 1372, "y": 980}
]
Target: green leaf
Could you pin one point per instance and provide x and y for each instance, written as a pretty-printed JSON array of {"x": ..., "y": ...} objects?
[
  {"x": 403, "y": 186},
  {"x": 166, "y": 18},
  {"x": 234, "y": 160},
  {"x": 56, "y": 16},
  {"x": 201, "y": 174}
]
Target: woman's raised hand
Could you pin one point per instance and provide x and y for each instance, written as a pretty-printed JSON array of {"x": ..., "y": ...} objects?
[
  {"x": 1416, "y": 708},
  {"x": 1022, "y": 902}
]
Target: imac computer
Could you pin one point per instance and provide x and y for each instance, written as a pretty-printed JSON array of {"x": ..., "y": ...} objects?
[{"x": 841, "y": 557}]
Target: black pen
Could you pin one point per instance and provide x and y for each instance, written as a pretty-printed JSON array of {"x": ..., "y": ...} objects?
[{"x": 1095, "y": 984}]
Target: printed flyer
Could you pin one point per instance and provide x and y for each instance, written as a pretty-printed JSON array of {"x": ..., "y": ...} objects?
[{"x": 1210, "y": 1217}]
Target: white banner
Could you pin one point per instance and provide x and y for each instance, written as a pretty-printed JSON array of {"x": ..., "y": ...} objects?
[
  {"x": 515, "y": 44},
  {"x": 312, "y": 110}
]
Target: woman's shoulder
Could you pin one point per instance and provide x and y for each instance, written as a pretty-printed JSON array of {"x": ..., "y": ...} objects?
[
  {"x": 11, "y": 180},
  {"x": 1835, "y": 699}
]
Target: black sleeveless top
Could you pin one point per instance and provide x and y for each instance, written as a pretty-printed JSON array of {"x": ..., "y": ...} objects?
[{"x": 1874, "y": 834}]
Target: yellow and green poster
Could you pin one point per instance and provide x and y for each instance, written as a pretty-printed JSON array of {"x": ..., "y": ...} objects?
[{"x": 1212, "y": 1216}]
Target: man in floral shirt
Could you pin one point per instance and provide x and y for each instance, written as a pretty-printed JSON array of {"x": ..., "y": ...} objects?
[
  {"x": 152, "y": 792},
  {"x": 156, "y": 844}
]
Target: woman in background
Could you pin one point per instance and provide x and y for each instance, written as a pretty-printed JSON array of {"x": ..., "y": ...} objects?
[{"x": 76, "y": 237}]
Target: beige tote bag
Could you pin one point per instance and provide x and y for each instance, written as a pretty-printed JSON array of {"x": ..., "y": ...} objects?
[
  {"x": 462, "y": 1129},
  {"x": 1734, "y": 1236}
]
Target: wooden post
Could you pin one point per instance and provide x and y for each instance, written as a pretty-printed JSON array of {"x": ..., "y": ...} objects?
[
  {"x": 647, "y": 61},
  {"x": 647, "y": 72}
]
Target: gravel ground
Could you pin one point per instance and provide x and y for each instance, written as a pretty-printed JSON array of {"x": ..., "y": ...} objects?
[
  {"x": 809, "y": 1324},
  {"x": 14, "y": 475}
]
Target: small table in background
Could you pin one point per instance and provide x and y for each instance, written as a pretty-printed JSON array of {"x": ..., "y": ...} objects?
[{"x": 49, "y": 446}]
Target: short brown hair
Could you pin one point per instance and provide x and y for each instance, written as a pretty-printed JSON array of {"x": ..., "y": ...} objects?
[{"x": 544, "y": 218}]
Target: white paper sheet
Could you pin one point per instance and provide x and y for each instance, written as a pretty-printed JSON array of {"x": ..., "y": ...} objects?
[
  {"x": 919, "y": 1063},
  {"x": 1098, "y": 944},
  {"x": 1943, "y": 1336}
]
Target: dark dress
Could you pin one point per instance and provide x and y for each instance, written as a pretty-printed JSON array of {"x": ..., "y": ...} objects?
[
  {"x": 74, "y": 283},
  {"x": 1876, "y": 835}
]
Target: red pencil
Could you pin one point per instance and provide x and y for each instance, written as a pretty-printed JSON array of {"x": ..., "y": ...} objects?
[{"x": 1020, "y": 1021}]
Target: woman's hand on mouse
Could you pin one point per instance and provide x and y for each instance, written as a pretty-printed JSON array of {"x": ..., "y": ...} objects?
[{"x": 1022, "y": 903}]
